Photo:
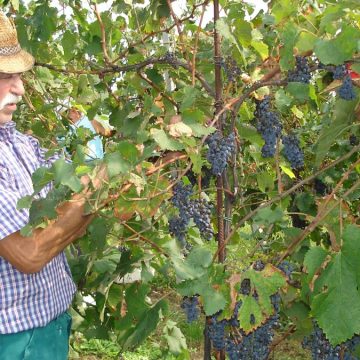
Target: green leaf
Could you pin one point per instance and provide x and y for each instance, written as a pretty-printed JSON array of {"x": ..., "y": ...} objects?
[
  {"x": 164, "y": 141},
  {"x": 68, "y": 42},
  {"x": 224, "y": 30},
  {"x": 174, "y": 337},
  {"x": 24, "y": 202},
  {"x": 213, "y": 300},
  {"x": 336, "y": 305},
  {"x": 268, "y": 216},
  {"x": 64, "y": 174},
  {"x": 265, "y": 181},
  {"x": 299, "y": 91},
  {"x": 145, "y": 325},
  {"x": 306, "y": 42},
  {"x": 313, "y": 260},
  {"x": 265, "y": 283},
  {"x": 283, "y": 9},
  {"x": 342, "y": 117},
  {"x": 116, "y": 164},
  {"x": 288, "y": 38},
  {"x": 336, "y": 51}
]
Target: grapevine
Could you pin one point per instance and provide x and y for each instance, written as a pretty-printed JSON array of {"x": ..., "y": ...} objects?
[{"x": 223, "y": 143}]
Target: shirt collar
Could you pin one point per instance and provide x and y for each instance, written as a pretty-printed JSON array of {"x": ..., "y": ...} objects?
[{"x": 7, "y": 132}]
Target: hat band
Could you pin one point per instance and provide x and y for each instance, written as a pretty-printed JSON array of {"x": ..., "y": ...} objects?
[{"x": 10, "y": 50}]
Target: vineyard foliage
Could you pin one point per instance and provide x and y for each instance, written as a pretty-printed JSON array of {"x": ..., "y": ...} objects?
[{"x": 283, "y": 88}]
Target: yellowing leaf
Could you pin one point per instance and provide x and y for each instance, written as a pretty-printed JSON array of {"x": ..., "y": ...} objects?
[
  {"x": 179, "y": 129},
  {"x": 288, "y": 171}
]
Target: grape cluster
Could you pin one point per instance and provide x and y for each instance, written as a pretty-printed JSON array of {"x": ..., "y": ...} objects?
[
  {"x": 201, "y": 215},
  {"x": 268, "y": 126},
  {"x": 258, "y": 265},
  {"x": 321, "y": 348},
  {"x": 190, "y": 306},
  {"x": 220, "y": 150},
  {"x": 170, "y": 58},
  {"x": 287, "y": 268},
  {"x": 346, "y": 90},
  {"x": 206, "y": 176},
  {"x": 353, "y": 140},
  {"x": 196, "y": 209},
  {"x": 227, "y": 335},
  {"x": 177, "y": 228},
  {"x": 216, "y": 332},
  {"x": 293, "y": 152},
  {"x": 231, "y": 69},
  {"x": 321, "y": 188},
  {"x": 339, "y": 72},
  {"x": 302, "y": 72}
]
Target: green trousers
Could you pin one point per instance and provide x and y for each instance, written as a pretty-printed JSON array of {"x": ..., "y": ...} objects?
[{"x": 50, "y": 342}]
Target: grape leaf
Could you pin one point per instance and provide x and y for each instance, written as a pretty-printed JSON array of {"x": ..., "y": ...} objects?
[
  {"x": 336, "y": 304},
  {"x": 164, "y": 141},
  {"x": 146, "y": 325},
  {"x": 342, "y": 117},
  {"x": 265, "y": 283},
  {"x": 339, "y": 49}
]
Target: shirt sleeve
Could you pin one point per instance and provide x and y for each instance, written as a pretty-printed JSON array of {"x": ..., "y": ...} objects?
[{"x": 11, "y": 219}]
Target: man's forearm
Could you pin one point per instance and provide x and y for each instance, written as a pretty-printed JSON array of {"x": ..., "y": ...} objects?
[{"x": 31, "y": 254}]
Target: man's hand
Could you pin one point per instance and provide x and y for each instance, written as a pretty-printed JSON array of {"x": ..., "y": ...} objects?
[{"x": 31, "y": 254}]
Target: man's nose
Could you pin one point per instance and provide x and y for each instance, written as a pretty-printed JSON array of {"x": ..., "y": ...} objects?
[{"x": 17, "y": 86}]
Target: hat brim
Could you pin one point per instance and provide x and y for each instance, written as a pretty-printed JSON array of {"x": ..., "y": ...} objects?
[{"x": 17, "y": 63}]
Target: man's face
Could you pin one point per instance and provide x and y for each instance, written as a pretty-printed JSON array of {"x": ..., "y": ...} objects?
[
  {"x": 74, "y": 115},
  {"x": 11, "y": 91}
]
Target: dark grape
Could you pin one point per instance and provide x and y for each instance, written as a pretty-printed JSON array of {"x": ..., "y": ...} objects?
[
  {"x": 286, "y": 267},
  {"x": 321, "y": 188},
  {"x": 245, "y": 287},
  {"x": 339, "y": 72},
  {"x": 298, "y": 222},
  {"x": 197, "y": 209},
  {"x": 321, "y": 348},
  {"x": 220, "y": 150},
  {"x": 216, "y": 331},
  {"x": 169, "y": 58},
  {"x": 206, "y": 176},
  {"x": 200, "y": 212},
  {"x": 353, "y": 140},
  {"x": 190, "y": 306},
  {"x": 177, "y": 228},
  {"x": 302, "y": 72},
  {"x": 268, "y": 126},
  {"x": 231, "y": 69},
  {"x": 293, "y": 152},
  {"x": 258, "y": 265},
  {"x": 346, "y": 90}
]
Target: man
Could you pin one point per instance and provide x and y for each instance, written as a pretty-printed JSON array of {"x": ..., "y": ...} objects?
[
  {"x": 36, "y": 287},
  {"x": 94, "y": 147}
]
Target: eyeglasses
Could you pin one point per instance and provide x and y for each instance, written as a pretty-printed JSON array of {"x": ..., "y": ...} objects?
[{"x": 5, "y": 76}]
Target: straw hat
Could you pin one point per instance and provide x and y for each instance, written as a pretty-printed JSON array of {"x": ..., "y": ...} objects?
[{"x": 12, "y": 58}]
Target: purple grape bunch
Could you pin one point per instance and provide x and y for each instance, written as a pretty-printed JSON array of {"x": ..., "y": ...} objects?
[
  {"x": 321, "y": 349},
  {"x": 346, "y": 90},
  {"x": 302, "y": 71},
  {"x": 268, "y": 126},
  {"x": 220, "y": 150},
  {"x": 197, "y": 209},
  {"x": 190, "y": 306},
  {"x": 293, "y": 152}
]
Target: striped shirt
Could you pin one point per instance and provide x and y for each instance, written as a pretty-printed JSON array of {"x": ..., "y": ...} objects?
[{"x": 26, "y": 300}]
